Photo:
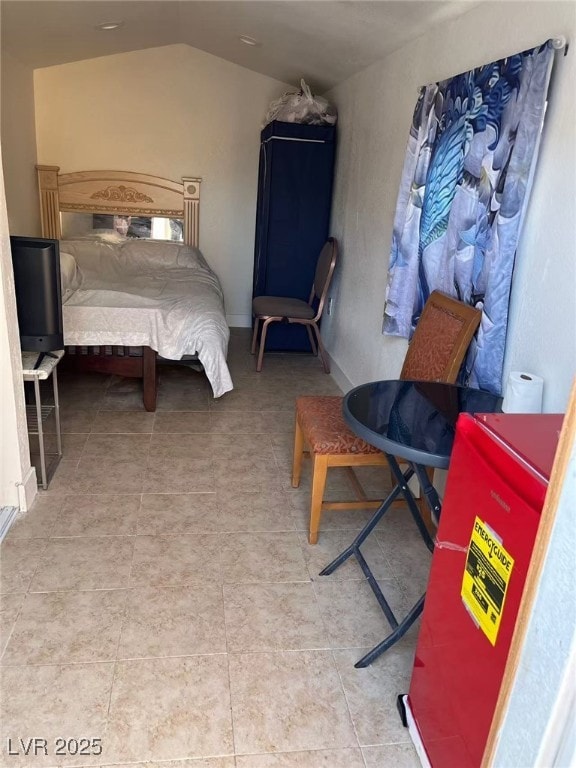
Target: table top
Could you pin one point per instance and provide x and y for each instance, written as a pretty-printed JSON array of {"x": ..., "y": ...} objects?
[{"x": 415, "y": 420}]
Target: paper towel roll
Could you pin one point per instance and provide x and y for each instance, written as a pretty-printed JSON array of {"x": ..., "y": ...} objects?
[{"x": 523, "y": 393}]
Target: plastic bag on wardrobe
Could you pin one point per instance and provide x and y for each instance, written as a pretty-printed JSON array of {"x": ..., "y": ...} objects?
[{"x": 302, "y": 107}]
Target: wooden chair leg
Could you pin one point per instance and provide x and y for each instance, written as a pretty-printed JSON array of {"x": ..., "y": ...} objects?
[
  {"x": 319, "y": 472},
  {"x": 255, "y": 335},
  {"x": 322, "y": 351},
  {"x": 265, "y": 325},
  {"x": 312, "y": 342},
  {"x": 297, "y": 457}
]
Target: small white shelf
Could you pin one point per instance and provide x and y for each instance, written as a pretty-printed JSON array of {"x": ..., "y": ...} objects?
[{"x": 38, "y": 367}]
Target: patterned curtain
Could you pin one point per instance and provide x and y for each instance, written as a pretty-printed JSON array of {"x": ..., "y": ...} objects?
[{"x": 467, "y": 175}]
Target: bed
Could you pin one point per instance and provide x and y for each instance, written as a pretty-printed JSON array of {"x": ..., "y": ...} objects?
[{"x": 127, "y": 301}]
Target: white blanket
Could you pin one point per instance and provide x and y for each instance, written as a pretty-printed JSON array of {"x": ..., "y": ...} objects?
[{"x": 143, "y": 293}]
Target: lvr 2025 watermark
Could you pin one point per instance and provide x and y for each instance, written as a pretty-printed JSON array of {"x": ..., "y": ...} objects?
[{"x": 34, "y": 746}]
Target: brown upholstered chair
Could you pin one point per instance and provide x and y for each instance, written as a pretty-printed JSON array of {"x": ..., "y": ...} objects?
[
  {"x": 273, "y": 309},
  {"x": 435, "y": 353}
]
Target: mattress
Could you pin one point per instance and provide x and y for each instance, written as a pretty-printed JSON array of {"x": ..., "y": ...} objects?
[{"x": 145, "y": 293}]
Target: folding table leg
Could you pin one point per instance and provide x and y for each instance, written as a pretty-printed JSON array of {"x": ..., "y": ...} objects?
[
  {"x": 393, "y": 637},
  {"x": 430, "y": 493},
  {"x": 370, "y": 525},
  {"x": 40, "y": 433},
  {"x": 424, "y": 481},
  {"x": 57, "y": 411},
  {"x": 399, "y": 629}
]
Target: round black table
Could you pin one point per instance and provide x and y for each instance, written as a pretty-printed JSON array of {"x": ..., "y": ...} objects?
[{"x": 416, "y": 422}]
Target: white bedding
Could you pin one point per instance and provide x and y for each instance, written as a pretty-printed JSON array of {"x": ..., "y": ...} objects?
[{"x": 143, "y": 293}]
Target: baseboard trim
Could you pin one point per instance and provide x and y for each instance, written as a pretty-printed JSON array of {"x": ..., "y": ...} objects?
[
  {"x": 7, "y": 516},
  {"x": 27, "y": 490},
  {"x": 339, "y": 376},
  {"x": 239, "y": 321}
]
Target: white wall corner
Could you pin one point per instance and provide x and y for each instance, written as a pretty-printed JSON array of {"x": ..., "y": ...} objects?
[
  {"x": 339, "y": 376},
  {"x": 535, "y": 730},
  {"x": 14, "y": 447}
]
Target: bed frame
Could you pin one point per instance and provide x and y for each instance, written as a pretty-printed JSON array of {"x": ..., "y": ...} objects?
[{"x": 121, "y": 193}]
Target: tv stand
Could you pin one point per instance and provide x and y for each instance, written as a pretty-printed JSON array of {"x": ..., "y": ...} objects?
[{"x": 38, "y": 368}]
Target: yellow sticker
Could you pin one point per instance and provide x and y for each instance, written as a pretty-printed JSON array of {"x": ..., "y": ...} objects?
[{"x": 485, "y": 581}]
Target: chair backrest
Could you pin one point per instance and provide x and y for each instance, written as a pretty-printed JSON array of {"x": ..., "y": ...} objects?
[
  {"x": 441, "y": 339},
  {"x": 324, "y": 270}
]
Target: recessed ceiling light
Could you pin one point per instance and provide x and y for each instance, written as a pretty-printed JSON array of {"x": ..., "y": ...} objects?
[
  {"x": 106, "y": 26},
  {"x": 248, "y": 40}
]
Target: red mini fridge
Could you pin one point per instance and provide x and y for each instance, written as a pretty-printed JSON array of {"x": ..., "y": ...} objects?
[{"x": 497, "y": 481}]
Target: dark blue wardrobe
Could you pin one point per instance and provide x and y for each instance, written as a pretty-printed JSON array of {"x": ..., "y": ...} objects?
[{"x": 293, "y": 217}]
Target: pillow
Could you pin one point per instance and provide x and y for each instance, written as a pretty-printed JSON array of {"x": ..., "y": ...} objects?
[
  {"x": 103, "y": 235},
  {"x": 91, "y": 255},
  {"x": 69, "y": 275},
  {"x": 161, "y": 254},
  {"x": 191, "y": 257}
]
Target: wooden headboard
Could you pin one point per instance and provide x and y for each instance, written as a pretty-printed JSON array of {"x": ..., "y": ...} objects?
[{"x": 117, "y": 192}]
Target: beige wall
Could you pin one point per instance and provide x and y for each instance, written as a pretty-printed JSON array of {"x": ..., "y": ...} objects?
[
  {"x": 17, "y": 477},
  {"x": 19, "y": 147},
  {"x": 172, "y": 111},
  {"x": 18, "y": 215},
  {"x": 375, "y": 108}
]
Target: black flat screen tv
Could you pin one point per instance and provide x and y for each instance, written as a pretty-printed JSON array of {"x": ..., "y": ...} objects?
[{"x": 36, "y": 263}]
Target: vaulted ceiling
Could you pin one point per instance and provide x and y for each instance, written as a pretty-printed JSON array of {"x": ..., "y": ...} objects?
[{"x": 325, "y": 41}]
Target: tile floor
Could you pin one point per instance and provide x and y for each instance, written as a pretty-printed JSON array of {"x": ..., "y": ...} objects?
[{"x": 161, "y": 596}]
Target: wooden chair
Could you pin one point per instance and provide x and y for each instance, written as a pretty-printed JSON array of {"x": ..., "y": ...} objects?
[
  {"x": 274, "y": 309},
  {"x": 436, "y": 352}
]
